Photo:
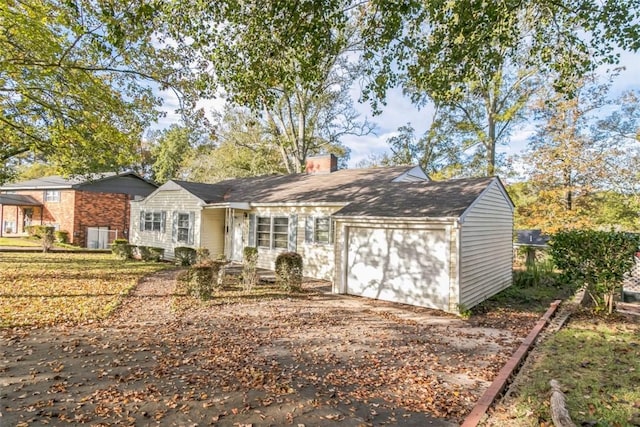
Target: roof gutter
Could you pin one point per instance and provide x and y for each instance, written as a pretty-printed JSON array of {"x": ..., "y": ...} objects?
[
  {"x": 393, "y": 220},
  {"x": 231, "y": 205}
]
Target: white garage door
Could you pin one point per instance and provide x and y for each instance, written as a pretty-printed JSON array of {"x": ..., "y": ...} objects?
[{"x": 400, "y": 265}]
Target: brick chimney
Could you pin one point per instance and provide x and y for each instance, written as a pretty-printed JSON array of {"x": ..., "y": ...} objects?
[{"x": 326, "y": 163}]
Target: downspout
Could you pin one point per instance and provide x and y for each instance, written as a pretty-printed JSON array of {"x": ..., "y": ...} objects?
[{"x": 454, "y": 306}]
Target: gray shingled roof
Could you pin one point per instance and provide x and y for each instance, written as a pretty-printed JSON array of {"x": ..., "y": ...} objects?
[
  {"x": 365, "y": 192},
  {"x": 434, "y": 199}
]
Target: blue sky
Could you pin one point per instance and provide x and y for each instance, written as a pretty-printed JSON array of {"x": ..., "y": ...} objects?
[{"x": 400, "y": 111}]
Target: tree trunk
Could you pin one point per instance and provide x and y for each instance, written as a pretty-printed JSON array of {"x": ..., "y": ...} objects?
[{"x": 559, "y": 413}]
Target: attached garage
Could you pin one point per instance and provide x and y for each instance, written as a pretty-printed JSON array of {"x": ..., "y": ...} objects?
[
  {"x": 442, "y": 245},
  {"x": 404, "y": 265}
]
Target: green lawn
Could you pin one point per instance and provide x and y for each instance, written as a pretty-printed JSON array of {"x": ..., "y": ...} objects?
[
  {"x": 42, "y": 289},
  {"x": 597, "y": 362},
  {"x": 19, "y": 242},
  {"x": 595, "y": 359}
]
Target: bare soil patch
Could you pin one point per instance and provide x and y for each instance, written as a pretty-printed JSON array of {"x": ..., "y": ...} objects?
[{"x": 316, "y": 360}]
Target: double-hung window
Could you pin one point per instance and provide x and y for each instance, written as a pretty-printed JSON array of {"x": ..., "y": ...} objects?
[
  {"x": 318, "y": 229},
  {"x": 183, "y": 227},
  {"x": 273, "y": 232},
  {"x": 152, "y": 221},
  {"x": 52, "y": 195}
]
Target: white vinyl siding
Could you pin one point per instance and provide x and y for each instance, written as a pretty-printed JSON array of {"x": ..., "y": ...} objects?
[
  {"x": 319, "y": 229},
  {"x": 486, "y": 248},
  {"x": 167, "y": 200},
  {"x": 152, "y": 221},
  {"x": 273, "y": 232},
  {"x": 317, "y": 258},
  {"x": 212, "y": 231}
]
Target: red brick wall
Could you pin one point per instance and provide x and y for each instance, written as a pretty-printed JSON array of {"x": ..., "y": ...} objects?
[
  {"x": 76, "y": 211},
  {"x": 100, "y": 210},
  {"x": 322, "y": 164},
  {"x": 60, "y": 213}
]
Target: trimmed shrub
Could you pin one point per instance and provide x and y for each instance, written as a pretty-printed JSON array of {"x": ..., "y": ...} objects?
[
  {"x": 201, "y": 281},
  {"x": 47, "y": 238},
  {"x": 141, "y": 252},
  {"x": 121, "y": 249},
  {"x": 62, "y": 236},
  {"x": 155, "y": 254},
  {"x": 38, "y": 230},
  {"x": 202, "y": 255},
  {"x": 249, "y": 268},
  {"x": 185, "y": 256},
  {"x": 289, "y": 271}
]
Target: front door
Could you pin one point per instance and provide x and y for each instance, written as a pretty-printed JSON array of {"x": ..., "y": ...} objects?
[
  {"x": 27, "y": 217},
  {"x": 238, "y": 242}
]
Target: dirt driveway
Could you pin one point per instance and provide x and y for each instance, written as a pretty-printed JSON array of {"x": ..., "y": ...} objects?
[{"x": 319, "y": 360}]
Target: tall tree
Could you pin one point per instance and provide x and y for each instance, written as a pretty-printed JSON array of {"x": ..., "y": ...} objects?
[
  {"x": 573, "y": 156},
  {"x": 286, "y": 61},
  {"x": 243, "y": 148},
  {"x": 73, "y": 81},
  {"x": 170, "y": 148},
  {"x": 477, "y": 60}
]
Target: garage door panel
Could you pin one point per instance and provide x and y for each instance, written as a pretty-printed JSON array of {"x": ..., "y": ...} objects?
[{"x": 400, "y": 265}]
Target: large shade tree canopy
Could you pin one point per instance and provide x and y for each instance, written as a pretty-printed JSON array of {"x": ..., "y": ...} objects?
[{"x": 74, "y": 82}]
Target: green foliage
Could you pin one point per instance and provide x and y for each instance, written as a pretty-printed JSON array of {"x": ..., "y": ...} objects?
[
  {"x": 202, "y": 255},
  {"x": 249, "y": 268},
  {"x": 149, "y": 253},
  {"x": 583, "y": 353},
  {"x": 61, "y": 236},
  {"x": 73, "y": 95},
  {"x": 121, "y": 249},
  {"x": 464, "y": 312},
  {"x": 287, "y": 63},
  {"x": 596, "y": 260},
  {"x": 172, "y": 146},
  {"x": 38, "y": 230},
  {"x": 201, "y": 281},
  {"x": 243, "y": 149},
  {"x": 540, "y": 273},
  {"x": 289, "y": 271},
  {"x": 185, "y": 256}
]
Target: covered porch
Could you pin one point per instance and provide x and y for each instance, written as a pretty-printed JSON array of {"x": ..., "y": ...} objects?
[
  {"x": 224, "y": 230},
  {"x": 18, "y": 212}
]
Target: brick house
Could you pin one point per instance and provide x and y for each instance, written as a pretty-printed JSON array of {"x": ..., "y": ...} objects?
[{"x": 92, "y": 210}]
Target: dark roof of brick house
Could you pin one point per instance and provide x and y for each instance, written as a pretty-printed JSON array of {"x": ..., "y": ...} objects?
[
  {"x": 18, "y": 200},
  {"x": 531, "y": 238},
  {"x": 363, "y": 192},
  {"x": 123, "y": 183}
]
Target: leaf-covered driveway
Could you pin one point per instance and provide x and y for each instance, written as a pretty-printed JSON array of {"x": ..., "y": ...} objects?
[{"x": 324, "y": 360}]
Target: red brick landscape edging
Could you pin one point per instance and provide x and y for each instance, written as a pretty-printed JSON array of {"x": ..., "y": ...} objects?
[{"x": 500, "y": 382}]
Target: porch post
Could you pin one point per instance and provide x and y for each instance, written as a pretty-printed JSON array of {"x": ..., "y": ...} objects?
[
  {"x": 17, "y": 219},
  {"x": 1, "y": 219}
]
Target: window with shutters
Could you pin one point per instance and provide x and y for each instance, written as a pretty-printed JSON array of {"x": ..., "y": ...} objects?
[
  {"x": 318, "y": 229},
  {"x": 321, "y": 229},
  {"x": 273, "y": 233},
  {"x": 184, "y": 227},
  {"x": 152, "y": 221}
]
